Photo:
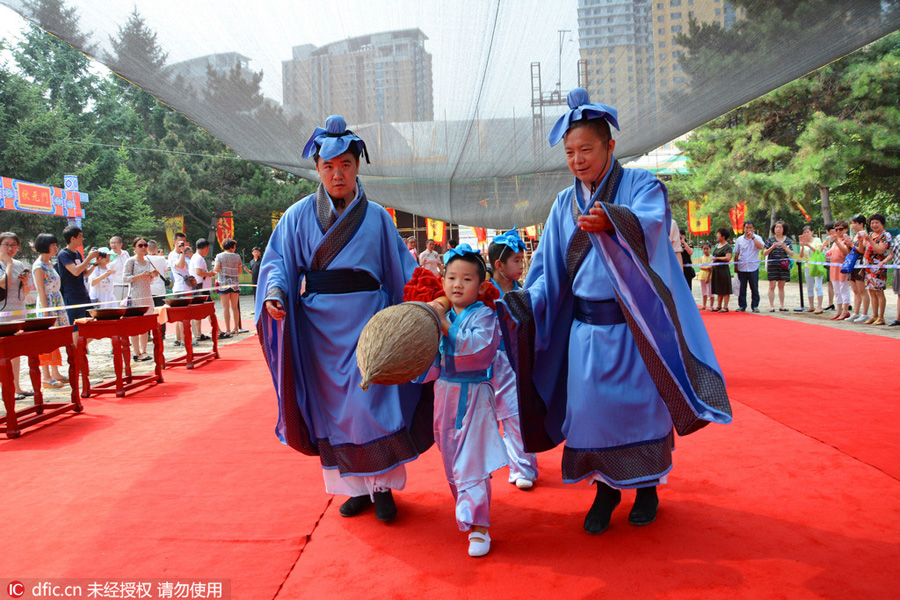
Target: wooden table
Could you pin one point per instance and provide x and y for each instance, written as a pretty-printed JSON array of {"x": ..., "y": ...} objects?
[
  {"x": 186, "y": 314},
  {"x": 119, "y": 330},
  {"x": 32, "y": 344}
]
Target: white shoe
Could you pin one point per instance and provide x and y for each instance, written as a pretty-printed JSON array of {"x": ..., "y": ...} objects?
[
  {"x": 524, "y": 484},
  {"x": 861, "y": 319},
  {"x": 852, "y": 318},
  {"x": 479, "y": 544}
]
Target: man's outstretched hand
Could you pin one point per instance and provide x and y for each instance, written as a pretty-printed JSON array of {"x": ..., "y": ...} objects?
[
  {"x": 275, "y": 309},
  {"x": 597, "y": 220}
]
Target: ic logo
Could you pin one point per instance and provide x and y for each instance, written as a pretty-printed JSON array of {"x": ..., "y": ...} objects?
[{"x": 15, "y": 589}]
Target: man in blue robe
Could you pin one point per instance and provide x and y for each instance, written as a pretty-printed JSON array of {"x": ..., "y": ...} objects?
[
  {"x": 334, "y": 260},
  {"x": 606, "y": 340}
]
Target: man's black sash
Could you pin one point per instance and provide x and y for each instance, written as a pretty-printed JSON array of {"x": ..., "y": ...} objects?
[{"x": 340, "y": 281}]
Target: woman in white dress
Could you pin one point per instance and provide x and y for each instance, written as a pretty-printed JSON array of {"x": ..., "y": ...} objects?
[{"x": 139, "y": 273}]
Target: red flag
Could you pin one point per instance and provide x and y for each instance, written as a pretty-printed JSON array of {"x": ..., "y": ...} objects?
[
  {"x": 437, "y": 230},
  {"x": 225, "y": 227},
  {"x": 737, "y": 217},
  {"x": 480, "y": 234},
  {"x": 393, "y": 214},
  {"x": 698, "y": 225},
  {"x": 803, "y": 212}
]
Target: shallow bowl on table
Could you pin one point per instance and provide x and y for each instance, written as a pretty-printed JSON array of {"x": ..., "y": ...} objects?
[
  {"x": 178, "y": 301},
  {"x": 199, "y": 299},
  {"x": 11, "y": 327},
  {"x": 38, "y": 323},
  {"x": 106, "y": 314},
  {"x": 134, "y": 311}
]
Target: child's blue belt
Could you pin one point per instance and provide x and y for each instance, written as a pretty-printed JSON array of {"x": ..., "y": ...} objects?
[{"x": 465, "y": 378}]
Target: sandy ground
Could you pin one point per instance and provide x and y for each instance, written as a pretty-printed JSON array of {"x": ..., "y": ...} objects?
[
  {"x": 101, "y": 363},
  {"x": 792, "y": 303}
]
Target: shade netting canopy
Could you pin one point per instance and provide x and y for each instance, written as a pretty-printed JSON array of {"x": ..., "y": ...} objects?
[{"x": 455, "y": 99}]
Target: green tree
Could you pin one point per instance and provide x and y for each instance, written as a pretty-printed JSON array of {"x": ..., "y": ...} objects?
[
  {"x": 853, "y": 145},
  {"x": 136, "y": 51},
  {"x": 60, "y": 68},
  {"x": 831, "y": 133},
  {"x": 121, "y": 209}
]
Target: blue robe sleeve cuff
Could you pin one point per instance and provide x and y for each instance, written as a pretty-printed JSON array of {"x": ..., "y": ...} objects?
[{"x": 276, "y": 293}]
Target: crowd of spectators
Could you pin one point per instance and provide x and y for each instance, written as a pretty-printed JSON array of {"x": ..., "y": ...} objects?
[
  {"x": 825, "y": 262},
  {"x": 65, "y": 280}
]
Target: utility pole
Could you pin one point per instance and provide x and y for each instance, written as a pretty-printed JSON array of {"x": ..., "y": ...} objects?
[{"x": 562, "y": 38}]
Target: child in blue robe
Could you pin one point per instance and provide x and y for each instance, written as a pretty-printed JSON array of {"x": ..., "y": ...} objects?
[
  {"x": 465, "y": 425},
  {"x": 608, "y": 346},
  {"x": 507, "y": 258}
]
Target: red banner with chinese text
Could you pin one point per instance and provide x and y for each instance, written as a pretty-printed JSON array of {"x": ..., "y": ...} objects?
[{"x": 24, "y": 196}]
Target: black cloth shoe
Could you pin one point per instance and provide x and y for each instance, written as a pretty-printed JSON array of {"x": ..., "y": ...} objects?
[
  {"x": 607, "y": 499},
  {"x": 645, "y": 504},
  {"x": 385, "y": 509},
  {"x": 355, "y": 505},
  {"x": 829, "y": 307}
]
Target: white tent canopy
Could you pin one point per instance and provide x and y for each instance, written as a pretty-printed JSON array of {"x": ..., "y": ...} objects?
[{"x": 455, "y": 99}]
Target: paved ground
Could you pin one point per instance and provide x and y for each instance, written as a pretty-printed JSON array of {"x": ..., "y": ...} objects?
[{"x": 792, "y": 302}]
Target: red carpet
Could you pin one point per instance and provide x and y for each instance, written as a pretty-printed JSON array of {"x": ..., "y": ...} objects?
[{"x": 796, "y": 499}]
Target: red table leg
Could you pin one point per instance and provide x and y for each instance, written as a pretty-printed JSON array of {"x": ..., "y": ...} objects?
[
  {"x": 126, "y": 356},
  {"x": 72, "y": 355},
  {"x": 9, "y": 398},
  {"x": 34, "y": 368},
  {"x": 86, "y": 367},
  {"x": 118, "y": 352},
  {"x": 158, "y": 356},
  {"x": 214, "y": 322},
  {"x": 189, "y": 345}
]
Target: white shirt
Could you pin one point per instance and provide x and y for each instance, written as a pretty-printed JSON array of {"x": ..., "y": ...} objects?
[
  {"x": 102, "y": 293},
  {"x": 431, "y": 260},
  {"x": 748, "y": 253},
  {"x": 198, "y": 262},
  {"x": 675, "y": 238},
  {"x": 117, "y": 266},
  {"x": 157, "y": 286},
  {"x": 178, "y": 273}
]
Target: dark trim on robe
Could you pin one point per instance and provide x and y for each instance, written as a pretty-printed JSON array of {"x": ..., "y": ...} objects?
[
  {"x": 620, "y": 463},
  {"x": 377, "y": 455},
  {"x": 708, "y": 385},
  {"x": 541, "y": 418}
]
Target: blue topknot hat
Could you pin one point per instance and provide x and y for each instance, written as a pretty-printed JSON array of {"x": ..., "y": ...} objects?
[
  {"x": 580, "y": 107},
  {"x": 333, "y": 140}
]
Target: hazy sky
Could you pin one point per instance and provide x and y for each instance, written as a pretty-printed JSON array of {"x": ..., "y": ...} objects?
[{"x": 463, "y": 37}]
